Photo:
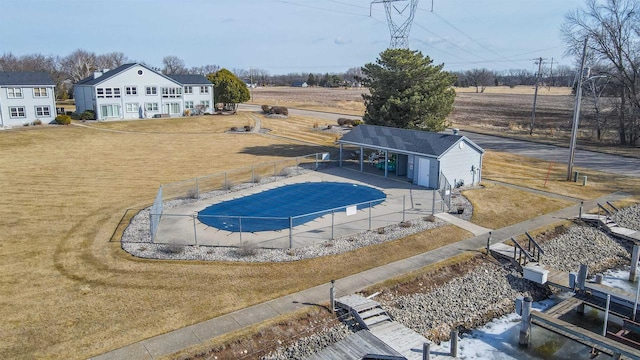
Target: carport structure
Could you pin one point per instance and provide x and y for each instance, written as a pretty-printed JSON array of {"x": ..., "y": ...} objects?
[{"x": 423, "y": 157}]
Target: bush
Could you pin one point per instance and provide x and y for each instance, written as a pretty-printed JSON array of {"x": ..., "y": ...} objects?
[
  {"x": 349, "y": 122},
  {"x": 266, "y": 109},
  {"x": 63, "y": 119},
  {"x": 88, "y": 115},
  {"x": 357, "y": 122},
  {"x": 247, "y": 249},
  {"x": 37, "y": 122},
  {"x": 280, "y": 110}
]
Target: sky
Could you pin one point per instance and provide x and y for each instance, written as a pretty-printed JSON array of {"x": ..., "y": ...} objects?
[{"x": 285, "y": 36}]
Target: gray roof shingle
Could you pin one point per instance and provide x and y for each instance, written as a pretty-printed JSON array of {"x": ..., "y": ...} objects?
[
  {"x": 190, "y": 79},
  {"x": 403, "y": 140},
  {"x": 26, "y": 78}
]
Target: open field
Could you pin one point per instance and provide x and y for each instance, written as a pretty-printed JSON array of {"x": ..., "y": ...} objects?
[{"x": 67, "y": 292}]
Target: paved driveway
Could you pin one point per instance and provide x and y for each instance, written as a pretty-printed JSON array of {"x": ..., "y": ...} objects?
[{"x": 587, "y": 159}]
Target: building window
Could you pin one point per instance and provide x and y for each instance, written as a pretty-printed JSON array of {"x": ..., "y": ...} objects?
[
  {"x": 188, "y": 89},
  {"x": 110, "y": 110},
  {"x": 39, "y": 92},
  {"x": 151, "y": 106},
  {"x": 43, "y": 111},
  {"x": 132, "y": 107},
  {"x": 14, "y": 93},
  {"x": 152, "y": 90},
  {"x": 171, "y": 92},
  {"x": 17, "y": 112},
  {"x": 204, "y": 89},
  {"x": 131, "y": 90},
  {"x": 188, "y": 105},
  {"x": 116, "y": 92},
  {"x": 204, "y": 103},
  {"x": 140, "y": 72},
  {"x": 108, "y": 92},
  {"x": 174, "y": 108},
  {"x": 100, "y": 92}
]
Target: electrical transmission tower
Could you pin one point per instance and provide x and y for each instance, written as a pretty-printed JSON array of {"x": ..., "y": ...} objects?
[{"x": 399, "y": 17}]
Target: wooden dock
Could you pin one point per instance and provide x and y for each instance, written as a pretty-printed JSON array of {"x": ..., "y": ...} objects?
[
  {"x": 583, "y": 336},
  {"x": 381, "y": 337},
  {"x": 605, "y": 222}
]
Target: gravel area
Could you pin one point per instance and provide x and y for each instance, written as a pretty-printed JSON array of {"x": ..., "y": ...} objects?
[{"x": 489, "y": 290}]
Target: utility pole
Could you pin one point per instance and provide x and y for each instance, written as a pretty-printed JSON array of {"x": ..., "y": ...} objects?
[
  {"x": 535, "y": 94},
  {"x": 576, "y": 113},
  {"x": 553, "y": 83}
]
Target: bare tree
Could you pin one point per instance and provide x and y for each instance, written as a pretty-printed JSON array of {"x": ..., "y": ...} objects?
[
  {"x": 204, "y": 70},
  {"x": 78, "y": 65},
  {"x": 173, "y": 65},
  {"x": 612, "y": 28},
  {"x": 480, "y": 78},
  {"x": 111, "y": 60}
]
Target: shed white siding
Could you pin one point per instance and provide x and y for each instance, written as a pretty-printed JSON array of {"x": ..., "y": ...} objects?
[
  {"x": 31, "y": 107},
  {"x": 462, "y": 163}
]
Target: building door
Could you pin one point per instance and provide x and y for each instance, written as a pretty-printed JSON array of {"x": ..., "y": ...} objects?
[{"x": 423, "y": 172}]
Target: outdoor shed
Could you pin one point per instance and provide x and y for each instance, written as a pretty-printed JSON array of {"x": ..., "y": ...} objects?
[{"x": 423, "y": 157}]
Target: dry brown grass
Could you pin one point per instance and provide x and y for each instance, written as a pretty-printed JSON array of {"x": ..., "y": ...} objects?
[
  {"x": 496, "y": 206},
  {"x": 346, "y": 101},
  {"x": 301, "y": 128},
  {"x": 531, "y": 173},
  {"x": 70, "y": 293}
]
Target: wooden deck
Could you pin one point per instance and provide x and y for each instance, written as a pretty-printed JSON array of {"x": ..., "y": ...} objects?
[
  {"x": 356, "y": 347},
  {"x": 611, "y": 227},
  {"x": 583, "y": 336},
  {"x": 398, "y": 340}
]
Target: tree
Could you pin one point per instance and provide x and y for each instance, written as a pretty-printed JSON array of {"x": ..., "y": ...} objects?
[
  {"x": 311, "y": 80},
  {"x": 110, "y": 60},
  {"x": 228, "y": 89},
  {"x": 173, "y": 65},
  {"x": 78, "y": 65},
  {"x": 480, "y": 78},
  {"x": 612, "y": 28},
  {"x": 407, "y": 91}
]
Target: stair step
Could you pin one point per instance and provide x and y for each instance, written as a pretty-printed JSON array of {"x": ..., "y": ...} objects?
[
  {"x": 376, "y": 319},
  {"x": 372, "y": 312}
]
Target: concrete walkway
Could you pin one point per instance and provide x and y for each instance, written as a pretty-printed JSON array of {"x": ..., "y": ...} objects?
[
  {"x": 469, "y": 226},
  {"x": 174, "y": 341}
]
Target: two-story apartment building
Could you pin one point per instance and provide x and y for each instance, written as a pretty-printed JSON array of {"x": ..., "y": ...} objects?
[
  {"x": 26, "y": 96},
  {"x": 136, "y": 91}
]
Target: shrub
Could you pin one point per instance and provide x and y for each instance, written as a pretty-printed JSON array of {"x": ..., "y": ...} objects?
[
  {"x": 227, "y": 185},
  {"x": 37, "y": 122},
  {"x": 357, "y": 122},
  {"x": 342, "y": 121},
  {"x": 280, "y": 110},
  {"x": 430, "y": 218},
  {"x": 63, "y": 119},
  {"x": 233, "y": 128},
  {"x": 405, "y": 224},
  {"x": 247, "y": 249},
  {"x": 88, "y": 115},
  {"x": 266, "y": 109}
]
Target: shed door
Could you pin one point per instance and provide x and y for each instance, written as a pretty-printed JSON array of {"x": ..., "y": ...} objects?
[{"x": 423, "y": 172}]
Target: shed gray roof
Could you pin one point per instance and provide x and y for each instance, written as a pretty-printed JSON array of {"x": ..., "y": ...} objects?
[
  {"x": 190, "y": 79},
  {"x": 25, "y": 78},
  {"x": 403, "y": 140}
]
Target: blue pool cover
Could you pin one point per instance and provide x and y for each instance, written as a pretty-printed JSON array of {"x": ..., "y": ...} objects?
[{"x": 272, "y": 209}]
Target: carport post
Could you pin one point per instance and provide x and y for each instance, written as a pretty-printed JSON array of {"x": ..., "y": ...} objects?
[
  {"x": 361, "y": 159},
  {"x": 290, "y": 232}
]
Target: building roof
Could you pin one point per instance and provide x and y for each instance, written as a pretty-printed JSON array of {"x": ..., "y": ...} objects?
[
  {"x": 190, "y": 79},
  {"x": 112, "y": 73},
  {"x": 25, "y": 78},
  {"x": 403, "y": 140}
]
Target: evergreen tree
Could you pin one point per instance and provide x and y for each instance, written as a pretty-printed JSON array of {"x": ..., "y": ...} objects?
[
  {"x": 228, "y": 89},
  {"x": 407, "y": 91}
]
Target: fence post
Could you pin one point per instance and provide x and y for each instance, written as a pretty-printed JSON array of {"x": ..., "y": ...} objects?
[
  {"x": 489, "y": 243},
  {"x": 426, "y": 350},
  {"x": 240, "y": 226},
  {"x": 332, "y": 296},
  {"x": 580, "y": 213},
  {"x": 290, "y": 232},
  {"x": 253, "y": 177},
  {"x": 369, "y": 215},
  {"x": 195, "y": 236},
  {"x": 275, "y": 172},
  {"x": 454, "y": 343},
  {"x": 197, "y": 189},
  {"x": 224, "y": 186},
  {"x": 404, "y": 198},
  {"x": 333, "y": 214},
  {"x": 433, "y": 202}
]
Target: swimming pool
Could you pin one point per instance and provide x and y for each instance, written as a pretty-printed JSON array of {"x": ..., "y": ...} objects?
[{"x": 295, "y": 204}]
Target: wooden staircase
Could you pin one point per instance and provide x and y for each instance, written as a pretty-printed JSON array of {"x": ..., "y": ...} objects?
[
  {"x": 602, "y": 220},
  {"x": 519, "y": 255},
  {"x": 366, "y": 312}
]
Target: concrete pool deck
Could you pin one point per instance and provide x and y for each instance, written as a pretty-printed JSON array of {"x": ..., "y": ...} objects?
[{"x": 405, "y": 201}]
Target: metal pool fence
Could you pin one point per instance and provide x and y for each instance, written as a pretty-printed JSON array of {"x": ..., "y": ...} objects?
[{"x": 252, "y": 174}]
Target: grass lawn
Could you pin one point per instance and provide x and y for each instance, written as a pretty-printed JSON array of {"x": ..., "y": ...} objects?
[{"x": 67, "y": 292}]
